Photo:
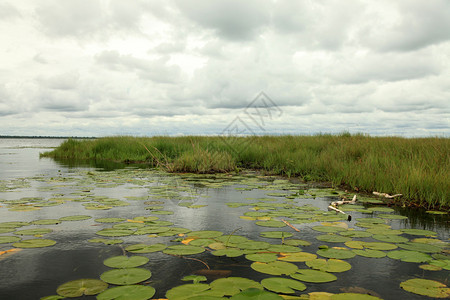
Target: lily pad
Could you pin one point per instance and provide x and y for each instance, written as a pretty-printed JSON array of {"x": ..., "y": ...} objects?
[
  {"x": 315, "y": 276},
  {"x": 379, "y": 246},
  {"x": 232, "y": 285},
  {"x": 183, "y": 250},
  {"x": 330, "y": 265},
  {"x": 255, "y": 294},
  {"x": 109, "y": 220},
  {"x": 9, "y": 239},
  {"x": 297, "y": 257},
  {"x": 370, "y": 253},
  {"x": 282, "y": 285},
  {"x": 125, "y": 276},
  {"x": 46, "y": 222},
  {"x": 135, "y": 292},
  {"x": 75, "y": 218},
  {"x": 276, "y": 234},
  {"x": 122, "y": 261},
  {"x": 409, "y": 256},
  {"x": 333, "y": 238},
  {"x": 80, "y": 287},
  {"x": 426, "y": 287},
  {"x": 34, "y": 243},
  {"x": 356, "y": 233},
  {"x": 262, "y": 257},
  {"x": 229, "y": 252},
  {"x": 418, "y": 232},
  {"x": 271, "y": 223},
  {"x": 187, "y": 291},
  {"x": 421, "y": 247},
  {"x": 390, "y": 238},
  {"x": 353, "y": 296},
  {"x": 328, "y": 229},
  {"x": 275, "y": 268},
  {"x": 336, "y": 253},
  {"x": 34, "y": 231},
  {"x": 144, "y": 248},
  {"x": 254, "y": 245},
  {"x": 297, "y": 242}
]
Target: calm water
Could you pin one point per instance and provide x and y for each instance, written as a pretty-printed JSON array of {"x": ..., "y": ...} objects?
[{"x": 35, "y": 273}]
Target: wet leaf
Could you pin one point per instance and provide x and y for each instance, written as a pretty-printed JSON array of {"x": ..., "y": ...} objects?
[
  {"x": 426, "y": 287},
  {"x": 297, "y": 257},
  {"x": 125, "y": 261},
  {"x": 282, "y": 285},
  {"x": 271, "y": 223},
  {"x": 409, "y": 256},
  {"x": 336, "y": 253},
  {"x": 370, "y": 253},
  {"x": 330, "y": 265},
  {"x": 144, "y": 248},
  {"x": 135, "y": 292},
  {"x": 275, "y": 268},
  {"x": 232, "y": 285},
  {"x": 332, "y": 238},
  {"x": 316, "y": 276},
  {"x": 183, "y": 250},
  {"x": 80, "y": 287},
  {"x": 125, "y": 276},
  {"x": 34, "y": 243}
]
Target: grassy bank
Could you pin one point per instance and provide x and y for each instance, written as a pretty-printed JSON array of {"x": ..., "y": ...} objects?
[{"x": 418, "y": 168}]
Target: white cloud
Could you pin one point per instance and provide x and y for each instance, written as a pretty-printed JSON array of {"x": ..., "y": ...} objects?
[{"x": 100, "y": 67}]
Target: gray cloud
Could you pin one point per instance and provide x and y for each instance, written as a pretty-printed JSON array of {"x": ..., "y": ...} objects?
[{"x": 234, "y": 20}]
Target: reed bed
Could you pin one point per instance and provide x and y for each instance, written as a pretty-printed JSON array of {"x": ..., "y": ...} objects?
[{"x": 418, "y": 168}]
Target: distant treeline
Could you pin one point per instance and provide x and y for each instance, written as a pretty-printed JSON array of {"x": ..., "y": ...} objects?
[
  {"x": 418, "y": 168},
  {"x": 44, "y": 137}
]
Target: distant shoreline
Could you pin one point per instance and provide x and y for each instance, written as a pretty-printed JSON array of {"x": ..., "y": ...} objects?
[{"x": 45, "y": 137}]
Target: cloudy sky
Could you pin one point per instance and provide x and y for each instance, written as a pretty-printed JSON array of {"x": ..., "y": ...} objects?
[{"x": 173, "y": 67}]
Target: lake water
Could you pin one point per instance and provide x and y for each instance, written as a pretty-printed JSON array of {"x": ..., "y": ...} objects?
[{"x": 33, "y": 189}]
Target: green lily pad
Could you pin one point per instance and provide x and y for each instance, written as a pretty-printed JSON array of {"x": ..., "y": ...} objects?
[
  {"x": 194, "y": 278},
  {"x": 128, "y": 225},
  {"x": 35, "y": 231},
  {"x": 275, "y": 268},
  {"x": 109, "y": 220},
  {"x": 443, "y": 263},
  {"x": 390, "y": 238},
  {"x": 332, "y": 238},
  {"x": 202, "y": 242},
  {"x": 336, "y": 253},
  {"x": 315, "y": 276},
  {"x": 328, "y": 229},
  {"x": 356, "y": 234},
  {"x": 183, "y": 250},
  {"x": 122, "y": 261},
  {"x": 282, "y": 285},
  {"x": 381, "y": 209},
  {"x": 296, "y": 242},
  {"x": 255, "y": 294},
  {"x": 430, "y": 267},
  {"x": 297, "y": 257},
  {"x": 125, "y": 276},
  {"x": 34, "y": 243},
  {"x": 330, "y": 265},
  {"x": 379, "y": 246},
  {"x": 232, "y": 239},
  {"x": 370, "y": 253},
  {"x": 144, "y": 248},
  {"x": 392, "y": 217},
  {"x": 80, "y": 287},
  {"x": 203, "y": 234},
  {"x": 421, "y": 247},
  {"x": 135, "y": 292},
  {"x": 115, "y": 232},
  {"x": 409, "y": 256},
  {"x": 9, "y": 239},
  {"x": 426, "y": 287},
  {"x": 254, "y": 245},
  {"x": 232, "y": 285},
  {"x": 271, "y": 223},
  {"x": 151, "y": 230},
  {"x": 75, "y": 218},
  {"x": 187, "y": 291},
  {"x": 161, "y": 212},
  {"x": 262, "y": 257},
  {"x": 174, "y": 231},
  {"x": 384, "y": 231},
  {"x": 146, "y": 218},
  {"x": 275, "y": 234},
  {"x": 419, "y": 232},
  {"x": 229, "y": 252}
]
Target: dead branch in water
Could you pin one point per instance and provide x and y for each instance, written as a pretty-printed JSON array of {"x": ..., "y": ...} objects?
[{"x": 386, "y": 195}]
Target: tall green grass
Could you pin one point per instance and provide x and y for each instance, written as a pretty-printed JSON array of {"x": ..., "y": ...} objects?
[{"x": 418, "y": 168}]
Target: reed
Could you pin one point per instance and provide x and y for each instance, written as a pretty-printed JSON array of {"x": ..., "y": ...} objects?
[{"x": 418, "y": 168}]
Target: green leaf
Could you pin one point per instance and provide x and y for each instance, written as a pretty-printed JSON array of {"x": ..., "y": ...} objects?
[
  {"x": 297, "y": 257},
  {"x": 144, "y": 248},
  {"x": 426, "y": 287},
  {"x": 332, "y": 238},
  {"x": 9, "y": 239},
  {"x": 125, "y": 261},
  {"x": 75, "y": 218},
  {"x": 232, "y": 285},
  {"x": 296, "y": 242},
  {"x": 135, "y": 292},
  {"x": 262, "y": 257},
  {"x": 419, "y": 232},
  {"x": 313, "y": 276},
  {"x": 254, "y": 245},
  {"x": 282, "y": 285},
  {"x": 409, "y": 256},
  {"x": 186, "y": 291},
  {"x": 275, "y": 268},
  {"x": 109, "y": 220},
  {"x": 370, "y": 253},
  {"x": 229, "y": 252},
  {"x": 183, "y": 250},
  {"x": 115, "y": 232},
  {"x": 80, "y": 287},
  {"x": 46, "y": 222},
  {"x": 330, "y": 265},
  {"x": 420, "y": 247},
  {"x": 390, "y": 238},
  {"x": 336, "y": 253},
  {"x": 275, "y": 234},
  {"x": 379, "y": 246},
  {"x": 271, "y": 223},
  {"x": 255, "y": 294},
  {"x": 194, "y": 278},
  {"x": 126, "y": 276},
  {"x": 34, "y": 243},
  {"x": 205, "y": 234},
  {"x": 34, "y": 231}
]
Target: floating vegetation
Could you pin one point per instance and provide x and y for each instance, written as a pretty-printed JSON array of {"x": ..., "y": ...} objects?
[
  {"x": 426, "y": 287},
  {"x": 80, "y": 287}
]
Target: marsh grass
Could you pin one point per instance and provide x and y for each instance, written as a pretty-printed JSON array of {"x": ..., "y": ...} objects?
[{"x": 418, "y": 168}]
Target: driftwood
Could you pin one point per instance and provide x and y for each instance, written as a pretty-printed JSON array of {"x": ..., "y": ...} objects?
[
  {"x": 385, "y": 195},
  {"x": 334, "y": 206},
  {"x": 290, "y": 225}
]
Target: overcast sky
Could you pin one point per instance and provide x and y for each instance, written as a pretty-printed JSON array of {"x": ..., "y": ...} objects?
[{"x": 172, "y": 67}]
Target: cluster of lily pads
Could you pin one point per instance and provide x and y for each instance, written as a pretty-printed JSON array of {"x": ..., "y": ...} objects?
[{"x": 287, "y": 266}]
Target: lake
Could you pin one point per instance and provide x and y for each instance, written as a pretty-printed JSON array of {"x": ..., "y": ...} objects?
[{"x": 67, "y": 217}]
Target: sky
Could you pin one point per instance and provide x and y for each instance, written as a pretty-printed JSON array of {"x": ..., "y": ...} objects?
[{"x": 224, "y": 67}]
